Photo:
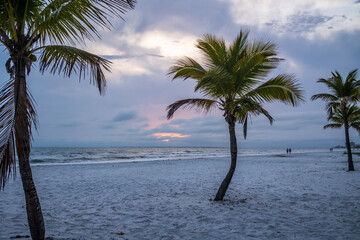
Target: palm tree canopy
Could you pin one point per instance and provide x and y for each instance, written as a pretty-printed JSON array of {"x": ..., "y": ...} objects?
[
  {"x": 38, "y": 30},
  {"x": 352, "y": 114},
  {"x": 232, "y": 78},
  {"x": 342, "y": 91},
  {"x": 26, "y": 26}
]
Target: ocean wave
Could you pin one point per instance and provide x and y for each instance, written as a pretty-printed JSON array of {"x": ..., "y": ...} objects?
[{"x": 50, "y": 156}]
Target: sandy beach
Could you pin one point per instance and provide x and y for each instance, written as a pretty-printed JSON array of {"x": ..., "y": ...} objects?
[{"x": 297, "y": 196}]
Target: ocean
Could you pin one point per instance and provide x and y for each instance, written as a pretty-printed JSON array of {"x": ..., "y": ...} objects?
[{"x": 51, "y": 156}]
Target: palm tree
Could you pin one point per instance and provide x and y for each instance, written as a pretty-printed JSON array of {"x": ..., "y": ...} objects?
[
  {"x": 38, "y": 30},
  {"x": 342, "y": 93},
  {"x": 232, "y": 79}
]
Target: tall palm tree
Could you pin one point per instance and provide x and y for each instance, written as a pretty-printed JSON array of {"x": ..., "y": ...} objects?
[
  {"x": 232, "y": 79},
  {"x": 342, "y": 94},
  {"x": 38, "y": 30}
]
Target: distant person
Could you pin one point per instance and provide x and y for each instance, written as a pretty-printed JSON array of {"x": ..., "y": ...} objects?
[
  {"x": 331, "y": 149},
  {"x": 290, "y": 150},
  {"x": 287, "y": 150}
]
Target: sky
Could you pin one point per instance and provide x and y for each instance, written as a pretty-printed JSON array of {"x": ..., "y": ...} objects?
[{"x": 315, "y": 37}]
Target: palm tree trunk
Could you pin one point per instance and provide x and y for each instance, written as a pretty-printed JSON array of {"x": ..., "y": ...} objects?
[
  {"x": 22, "y": 136},
  {"x": 233, "y": 150},
  {"x": 348, "y": 146}
]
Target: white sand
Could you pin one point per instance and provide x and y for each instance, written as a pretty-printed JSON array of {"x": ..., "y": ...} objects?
[{"x": 307, "y": 196}]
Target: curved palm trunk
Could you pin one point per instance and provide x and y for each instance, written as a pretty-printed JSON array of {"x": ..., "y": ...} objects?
[
  {"x": 233, "y": 150},
  {"x": 348, "y": 146},
  {"x": 22, "y": 136}
]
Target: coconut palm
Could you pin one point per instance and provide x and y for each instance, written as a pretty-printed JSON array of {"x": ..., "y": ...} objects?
[
  {"x": 38, "y": 31},
  {"x": 232, "y": 79},
  {"x": 342, "y": 94}
]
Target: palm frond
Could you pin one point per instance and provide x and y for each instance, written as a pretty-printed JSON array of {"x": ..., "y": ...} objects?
[
  {"x": 333, "y": 125},
  {"x": 266, "y": 48},
  {"x": 198, "y": 103},
  {"x": 8, "y": 19},
  {"x": 187, "y": 68},
  {"x": 17, "y": 114},
  {"x": 7, "y": 133},
  {"x": 327, "y": 97},
  {"x": 332, "y": 107},
  {"x": 237, "y": 49},
  {"x": 67, "y": 20},
  {"x": 332, "y": 85},
  {"x": 216, "y": 82},
  {"x": 213, "y": 50},
  {"x": 244, "y": 107},
  {"x": 249, "y": 70},
  {"x": 283, "y": 88},
  {"x": 68, "y": 60},
  {"x": 351, "y": 77},
  {"x": 356, "y": 126},
  {"x": 245, "y": 126},
  {"x": 4, "y": 39}
]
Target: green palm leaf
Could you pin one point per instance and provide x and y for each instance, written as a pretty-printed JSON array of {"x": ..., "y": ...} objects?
[
  {"x": 16, "y": 108},
  {"x": 283, "y": 88},
  {"x": 333, "y": 125},
  {"x": 69, "y": 60},
  {"x": 187, "y": 68},
  {"x": 73, "y": 20},
  {"x": 214, "y": 50},
  {"x": 237, "y": 50},
  {"x": 325, "y": 97},
  {"x": 198, "y": 103}
]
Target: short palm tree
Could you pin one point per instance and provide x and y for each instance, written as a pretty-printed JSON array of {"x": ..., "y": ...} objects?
[
  {"x": 342, "y": 94},
  {"x": 232, "y": 79},
  {"x": 38, "y": 30}
]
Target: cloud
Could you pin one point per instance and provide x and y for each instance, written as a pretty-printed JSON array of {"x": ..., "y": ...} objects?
[
  {"x": 151, "y": 51},
  {"x": 172, "y": 135},
  {"x": 135, "y": 51},
  {"x": 168, "y": 44},
  {"x": 300, "y": 22},
  {"x": 124, "y": 116},
  {"x": 108, "y": 127},
  {"x": 69, "y": 124},
  {"x": 311, "y": 18}
]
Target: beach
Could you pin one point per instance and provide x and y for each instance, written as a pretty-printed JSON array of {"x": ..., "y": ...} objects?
[{"x": 303, "y": 195}]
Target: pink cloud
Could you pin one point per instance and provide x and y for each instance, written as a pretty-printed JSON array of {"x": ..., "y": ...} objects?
[{"x": 172, "y": 135}]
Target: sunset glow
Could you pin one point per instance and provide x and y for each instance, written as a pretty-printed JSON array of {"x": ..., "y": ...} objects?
[{"x": 172, "y": 135}]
